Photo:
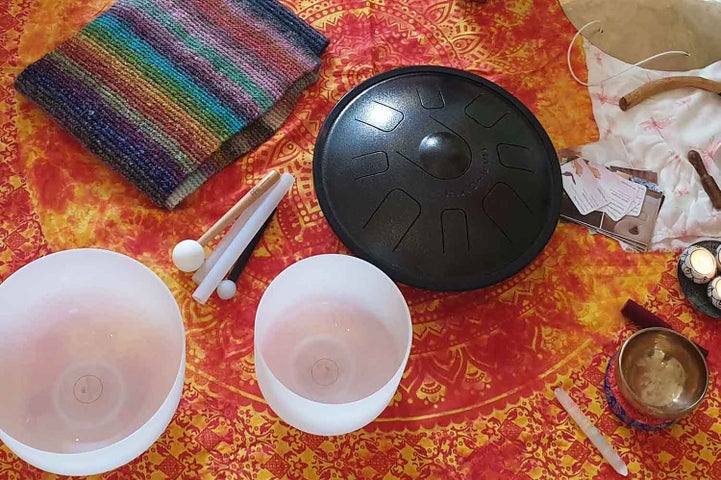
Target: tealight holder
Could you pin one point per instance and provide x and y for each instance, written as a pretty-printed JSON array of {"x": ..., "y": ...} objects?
[
  {"x": 698, "y": 264},
  {"x": 714, "y": 292}
]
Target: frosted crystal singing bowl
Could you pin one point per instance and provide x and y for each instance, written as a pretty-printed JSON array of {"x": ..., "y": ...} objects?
[
  {"x": 92, "y": 361},
  {"x": 332, "y": 338}
]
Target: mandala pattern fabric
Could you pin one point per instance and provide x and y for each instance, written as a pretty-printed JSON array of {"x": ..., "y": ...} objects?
[
  {"x": 476, "y": 399},
  {"x": 169, "y": 92}
]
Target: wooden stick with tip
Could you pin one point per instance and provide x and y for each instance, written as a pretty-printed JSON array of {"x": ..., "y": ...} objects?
[
  {"x": 664, "y": 85},
  {"x": 236, "y": 210},
  {"x": 707, "y": 182}
]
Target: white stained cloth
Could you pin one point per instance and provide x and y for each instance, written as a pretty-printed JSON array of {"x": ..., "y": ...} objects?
[{"x": 657, "y": 135}]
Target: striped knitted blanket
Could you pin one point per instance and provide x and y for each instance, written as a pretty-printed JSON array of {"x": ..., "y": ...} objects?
[{"x": 168, "y": 92}]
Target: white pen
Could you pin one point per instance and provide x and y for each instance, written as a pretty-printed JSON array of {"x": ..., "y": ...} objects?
[{"x": 591, "y": 432}]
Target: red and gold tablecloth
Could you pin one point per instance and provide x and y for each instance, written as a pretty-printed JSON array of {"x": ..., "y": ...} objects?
[{"x": 475, "y": 401}]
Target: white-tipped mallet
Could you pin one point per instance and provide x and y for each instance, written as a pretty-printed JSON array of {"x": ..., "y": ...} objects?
[
  {"x": 226, "y": 289},
  {"x": 189, "y": 255},
  {"x": 242, "y": 239}
]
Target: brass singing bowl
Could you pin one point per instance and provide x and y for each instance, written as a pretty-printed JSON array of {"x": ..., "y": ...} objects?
[{"x": 662, "y": 373}]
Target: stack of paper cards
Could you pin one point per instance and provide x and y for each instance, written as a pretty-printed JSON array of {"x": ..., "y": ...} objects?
[
  {"x": 618, "y": 202},
  {"x": 593, "y": 187}
]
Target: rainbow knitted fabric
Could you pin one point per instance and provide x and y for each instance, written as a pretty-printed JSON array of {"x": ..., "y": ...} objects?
[{"x": 169, "y": 92}]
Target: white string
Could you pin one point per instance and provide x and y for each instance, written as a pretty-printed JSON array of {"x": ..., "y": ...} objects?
[
  {"x": 625, "y": 150},
  {"x": 637, "y": 64}
]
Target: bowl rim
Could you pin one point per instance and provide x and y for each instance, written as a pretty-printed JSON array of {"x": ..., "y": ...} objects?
[
  {"x": 72, "y": 458},
  {"x": 626, "y": 388}
]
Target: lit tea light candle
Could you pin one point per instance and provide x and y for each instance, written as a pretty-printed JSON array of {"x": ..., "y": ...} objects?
[
  {"x": 714, "y": 292},
  {"x": 698, "y": 264},
  {"x": 703, "y": 262}
]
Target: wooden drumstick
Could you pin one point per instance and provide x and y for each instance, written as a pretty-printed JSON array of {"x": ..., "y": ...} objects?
[
  {"x": 189, "y": 255},
  {"x": 665, "y": 84},
  {"x": 707, "y": 181}
]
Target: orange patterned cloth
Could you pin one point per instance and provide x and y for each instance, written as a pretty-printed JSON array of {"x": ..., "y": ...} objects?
[{"x": 476, "y": 399}]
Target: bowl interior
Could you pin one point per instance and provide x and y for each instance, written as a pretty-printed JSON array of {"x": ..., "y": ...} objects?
[
  {"x": 664, "y": 372},
  {"x": 333, "y": 329},
  {"x": 91, "y": 346}
]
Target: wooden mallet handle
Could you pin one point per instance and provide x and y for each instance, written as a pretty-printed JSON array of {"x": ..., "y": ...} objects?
[
  {"x": 707, "y": 181},
  {"x": 642, "y": 318},
  {"x": 665, "y": 84},
  {"x": 236, "y": 210}
]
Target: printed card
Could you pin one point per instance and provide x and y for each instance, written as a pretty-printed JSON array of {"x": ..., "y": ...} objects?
[{"x": 582, "y": 186}]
